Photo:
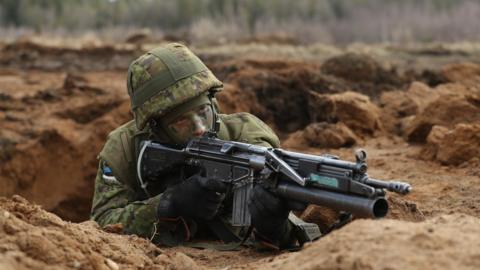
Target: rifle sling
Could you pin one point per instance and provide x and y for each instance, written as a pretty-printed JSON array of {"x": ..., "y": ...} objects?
[
  {"x": 231, "y": 242},
  {"x": 222, "y": 232}
]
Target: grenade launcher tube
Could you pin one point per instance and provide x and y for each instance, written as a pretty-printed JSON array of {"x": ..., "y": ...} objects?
[{"x": 358, "y": 206}]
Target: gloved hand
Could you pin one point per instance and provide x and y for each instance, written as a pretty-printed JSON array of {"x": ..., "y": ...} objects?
[
  {"x": 196, "y": 197},
  {"x": 269, "y": 214}
]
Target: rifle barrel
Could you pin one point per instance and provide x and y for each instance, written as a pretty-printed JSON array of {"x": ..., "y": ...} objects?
[
  {"x": 397, "y": 187},
  {"x": 359, "y": 206}
]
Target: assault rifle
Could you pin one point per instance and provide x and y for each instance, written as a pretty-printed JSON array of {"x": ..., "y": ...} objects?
[{"x": 322, "y": 180}]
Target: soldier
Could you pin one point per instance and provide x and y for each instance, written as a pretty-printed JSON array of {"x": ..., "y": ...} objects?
[{"x": 172, "y": 98}]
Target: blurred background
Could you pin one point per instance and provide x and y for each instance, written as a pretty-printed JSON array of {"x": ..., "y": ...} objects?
[{"x": 219, "y": 21}]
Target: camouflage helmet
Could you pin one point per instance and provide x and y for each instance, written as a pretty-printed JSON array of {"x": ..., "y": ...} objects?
[{"x": 165, "y": 78}]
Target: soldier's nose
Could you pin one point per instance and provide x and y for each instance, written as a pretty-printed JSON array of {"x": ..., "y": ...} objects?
[
  {"x": 198, "y": 131},
  {"x": 199, "y": 128}
]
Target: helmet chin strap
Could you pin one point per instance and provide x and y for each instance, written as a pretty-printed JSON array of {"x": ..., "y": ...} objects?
[{"x": 216, "y": 122}]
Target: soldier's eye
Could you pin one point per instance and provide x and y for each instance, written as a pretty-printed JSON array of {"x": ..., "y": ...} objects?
[
  {"x": 180, "y": 121},
  {"x": 203, "y": 109}
]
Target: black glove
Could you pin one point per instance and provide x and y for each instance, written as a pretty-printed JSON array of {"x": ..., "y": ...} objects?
[
  {"x": 269, "y": 214},
  {"x": 196, "y": 197}
]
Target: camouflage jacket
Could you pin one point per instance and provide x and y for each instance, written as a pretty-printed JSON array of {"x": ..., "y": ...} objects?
[{"x": 120, "y": 199}]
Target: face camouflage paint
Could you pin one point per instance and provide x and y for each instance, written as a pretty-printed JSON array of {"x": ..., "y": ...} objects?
[
  {"x": 191, "y": 119},
  {"x": 193, "y": 123}
]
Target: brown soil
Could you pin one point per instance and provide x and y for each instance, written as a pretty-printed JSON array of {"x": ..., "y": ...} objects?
[
  {"x": 389, "y": 244},
  {"x": 35, "y": 239},
  {"x": 53, "y": 126},
  {"x": 55, "y": 116}
]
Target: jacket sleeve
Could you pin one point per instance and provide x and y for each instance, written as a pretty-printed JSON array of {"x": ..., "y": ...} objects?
[{"x": 114, "y": 202}]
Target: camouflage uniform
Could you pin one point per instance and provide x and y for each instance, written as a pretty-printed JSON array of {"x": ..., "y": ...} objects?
[{"x": 119, "y": 197}]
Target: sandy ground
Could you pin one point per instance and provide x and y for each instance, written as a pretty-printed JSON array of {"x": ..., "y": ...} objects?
[{"x": 416, "y": 113}]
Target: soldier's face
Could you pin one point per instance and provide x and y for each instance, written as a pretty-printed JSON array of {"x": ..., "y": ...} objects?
[{"x": 193, "y": 123}]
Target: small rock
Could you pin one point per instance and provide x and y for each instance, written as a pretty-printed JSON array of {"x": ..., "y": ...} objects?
[
  {"x": 437, "y": 134},
  {"x": 6, "y": 214},
  {"x": 111, "y": 264},
  {"x": 76, "y": 264},
  {"x": 19, "y": 199}
]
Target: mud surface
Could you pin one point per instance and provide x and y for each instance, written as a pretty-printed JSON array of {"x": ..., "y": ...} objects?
[{"x": 419, "y": 121}]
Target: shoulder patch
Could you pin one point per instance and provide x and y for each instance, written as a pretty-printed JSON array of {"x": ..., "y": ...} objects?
[
  {"x": 118, "y": 153},
  {"x": 107, "y": 175}
]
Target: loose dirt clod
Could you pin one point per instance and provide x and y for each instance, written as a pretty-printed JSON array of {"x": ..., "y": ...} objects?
[
  {"x": 323, "y": 135},
  {"x": 446, "y": 110},
  {"x": 454, "y": 147},
  {"x": 355, "y": 110}
]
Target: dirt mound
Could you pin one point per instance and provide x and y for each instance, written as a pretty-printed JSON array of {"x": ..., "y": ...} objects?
[
  {"x": 414, "y": 112},
  {"x": 397, "y": 106},
  {"x": 364, "y": 73},
  {"x": 448, "y": 109},
  {"x": 31, "y": 238},
  {"x": 280, "y": 92},
  {"x": 55, "y": 153},
  {"x": 323, "y": 135},
  {"x": 353, "y": 67},
  {"x": 431, "y": 77},
  {"x": 354, "y": 109},
  {"x": 403, "y": 209},
  {"x": 230, "y": 95},
  {"x": 454, "y": 147},
  {"x": 445, "y": 242},
  {"x": 140, "y": 36},
  {"x": 271, "y": 39},
  {"x": 284, "y": 94},
  {"x": 34, "y": 54},
  {"x": 461, "y": 71},
  {"x": 277, "y": 92}
]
